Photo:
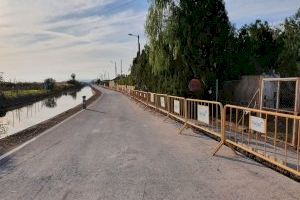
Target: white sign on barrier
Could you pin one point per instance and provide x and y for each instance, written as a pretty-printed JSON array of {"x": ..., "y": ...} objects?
[
  {"x": 152, "y": 97},
  {"x": 203, "y": 114},
  {"x": 176, "y": 106},
  {"x": 257, "y": 124},
  {"x": 162, "y": 102}
]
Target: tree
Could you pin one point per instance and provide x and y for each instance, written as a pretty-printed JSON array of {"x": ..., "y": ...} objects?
[
  {"x": 264, "y": 47},
  {"x": 290, "y": 54},
  {"x": 190, "y": 39},
  {"x": 192, "y": 34},
  {"x": 73, "y": 76},
  {"x": 1, "y": 77},
  {"x": 49, "y": 84}
]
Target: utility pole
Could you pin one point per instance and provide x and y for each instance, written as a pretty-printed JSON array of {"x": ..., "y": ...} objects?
[
  {"x": 116, "y": 72},
  {"x": 139, "y": 45},
  {"x": 121, "y": 68}
]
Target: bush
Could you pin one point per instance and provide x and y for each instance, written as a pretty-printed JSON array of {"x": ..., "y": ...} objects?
[
  {"x": 74, "y": 83},
  {"x": 49, "y": 84}
]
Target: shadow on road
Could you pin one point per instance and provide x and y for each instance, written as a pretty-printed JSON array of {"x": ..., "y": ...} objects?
[
  {"x": 95, "y": 111},
  {"x": 241, "y": 161},
  {"x": 6, "y": 165},
  {"x": 196, "y": 135}
]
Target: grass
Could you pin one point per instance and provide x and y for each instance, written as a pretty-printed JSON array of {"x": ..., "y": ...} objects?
[{"x": 22, "y": 93}]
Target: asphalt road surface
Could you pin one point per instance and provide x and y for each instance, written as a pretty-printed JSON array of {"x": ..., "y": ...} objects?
[{"x": 116, "y": 150}]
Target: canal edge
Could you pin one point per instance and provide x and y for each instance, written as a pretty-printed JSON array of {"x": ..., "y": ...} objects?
[{"x": 24, "y": 144}]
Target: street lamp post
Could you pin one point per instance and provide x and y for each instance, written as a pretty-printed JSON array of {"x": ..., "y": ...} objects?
[{"x": 138, "y": 37}]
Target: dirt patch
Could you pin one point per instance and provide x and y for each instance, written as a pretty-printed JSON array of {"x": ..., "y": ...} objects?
[{"x": 10, "y": 142}]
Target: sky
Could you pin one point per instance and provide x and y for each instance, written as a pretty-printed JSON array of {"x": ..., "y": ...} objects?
[{"x": 54, "y": 38}]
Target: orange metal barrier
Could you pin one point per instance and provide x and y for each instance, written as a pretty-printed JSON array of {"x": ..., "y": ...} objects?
[
  {"x": 162, "y": 102},
  {"x": 152, "y": 99},
  {"x": 142, "y": 96},
  {"x": 265, "y": 134},
  {"x": 205, "y": 115},
  {"x": 177, "y": 107}
]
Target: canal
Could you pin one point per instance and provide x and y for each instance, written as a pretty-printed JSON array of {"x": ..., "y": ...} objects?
[{"x": 19, "y": 119}]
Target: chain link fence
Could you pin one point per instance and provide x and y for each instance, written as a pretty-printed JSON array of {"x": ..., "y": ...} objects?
[{"x": 280, "y": 95}]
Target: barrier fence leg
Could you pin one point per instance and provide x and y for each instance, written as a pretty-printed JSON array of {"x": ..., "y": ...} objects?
[
  {"x": 222, "y": 142},
  {"x": 218, "y": 147},
  {"x": 182, "y": 128}
]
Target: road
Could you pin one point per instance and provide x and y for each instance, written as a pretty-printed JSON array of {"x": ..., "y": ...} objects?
[{"x": 116, "y": 150}]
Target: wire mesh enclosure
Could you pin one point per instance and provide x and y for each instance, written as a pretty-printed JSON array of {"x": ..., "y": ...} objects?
[{"x": 280, "y": 95}]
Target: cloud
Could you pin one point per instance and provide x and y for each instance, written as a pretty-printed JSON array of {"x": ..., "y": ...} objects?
[
  {"x": 247, "y": 11},
  {"x": 52, "y": 38}
]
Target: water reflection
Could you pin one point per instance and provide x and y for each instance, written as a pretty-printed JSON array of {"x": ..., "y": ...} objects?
[
  {"x": 73, "y": 95},
  {"x": 50, "y": 102},
  {"x": 19, "y": 119}
]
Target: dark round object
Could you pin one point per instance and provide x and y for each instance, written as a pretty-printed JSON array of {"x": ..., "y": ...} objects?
[{"x": 195, "y": 85}]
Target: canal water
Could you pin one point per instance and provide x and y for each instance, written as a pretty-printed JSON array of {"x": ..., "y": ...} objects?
[{"x": 19, "y": 119}]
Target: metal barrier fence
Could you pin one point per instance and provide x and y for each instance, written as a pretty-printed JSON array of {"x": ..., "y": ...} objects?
[
  {"x": 152, "y": 100},
  {"x": 143, "y": 96},
  {"x": 162, "y": 102},
  {"x": 177, "y": 108},
  {"x": 205, "y": 115},
  {"x": 265, "y": 134}
]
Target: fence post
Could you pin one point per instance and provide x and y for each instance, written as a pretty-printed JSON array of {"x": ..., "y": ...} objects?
[
  {"x": 168, "y": 107},
  {"x": 185, "y": 110},
  {"x": 156, "y": 102},
  {"x": 185, "y": 116},
  {"x": 147, "y": 100},
  {"x": 223, "y": 124}
]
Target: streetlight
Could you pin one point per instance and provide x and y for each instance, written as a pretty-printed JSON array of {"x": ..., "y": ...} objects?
[{"x": 138, "y": 37}]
